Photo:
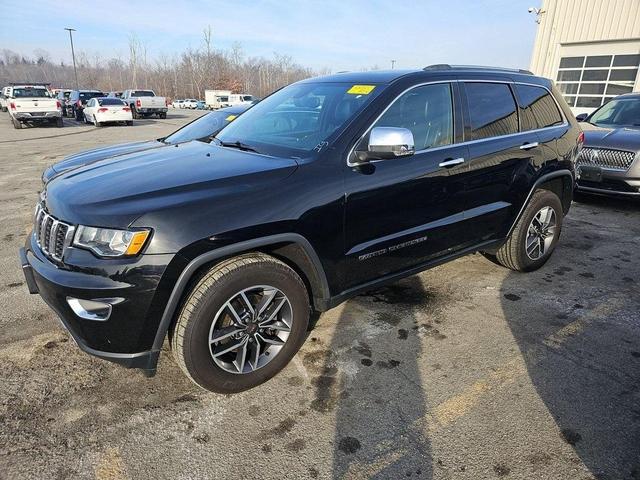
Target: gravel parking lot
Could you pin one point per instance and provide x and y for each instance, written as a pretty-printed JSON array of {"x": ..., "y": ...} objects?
[{"x": 465, "y": 371}]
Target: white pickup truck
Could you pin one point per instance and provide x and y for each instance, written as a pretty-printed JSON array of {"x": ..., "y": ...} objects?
[
  {"x": 145, "y": 103},
  {"x": 33, "y": 104}
]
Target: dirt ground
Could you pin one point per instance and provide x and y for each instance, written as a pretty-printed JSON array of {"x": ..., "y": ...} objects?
[{"x": 465, "y": 371}]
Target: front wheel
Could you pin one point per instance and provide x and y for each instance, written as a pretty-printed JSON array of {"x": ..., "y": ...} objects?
[
  {"x": 536, "y": 234},
  {"x": 241, "y": 323}
]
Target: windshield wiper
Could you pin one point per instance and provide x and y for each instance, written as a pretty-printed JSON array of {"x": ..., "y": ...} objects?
[{"x": 237, "y": 144}]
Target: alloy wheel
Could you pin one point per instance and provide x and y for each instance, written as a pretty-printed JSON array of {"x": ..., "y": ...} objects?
[
  {"x": 250, "y": 329},
  {"x": 540, "y": 233}
]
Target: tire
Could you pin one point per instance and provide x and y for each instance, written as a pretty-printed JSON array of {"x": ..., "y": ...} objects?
[
  {"x": 513, "y": 254},
  {"x": 4, "y": 109},
  {"x": 129, "y": 123},
  {"x": 134, "y": 112},
  {"x": 202, "y": 309},
  {"x": 59, "y": 122},
  {"x": 79, "y": 115},
  {"x": 162, "y": 115}
]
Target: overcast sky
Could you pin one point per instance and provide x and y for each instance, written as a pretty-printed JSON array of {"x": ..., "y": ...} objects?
[{"x": 338, "y": 34}]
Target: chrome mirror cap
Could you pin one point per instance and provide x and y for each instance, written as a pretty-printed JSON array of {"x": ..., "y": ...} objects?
[{"x": 389, "y": 142}]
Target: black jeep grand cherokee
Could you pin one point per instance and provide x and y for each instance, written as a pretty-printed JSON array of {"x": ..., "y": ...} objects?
[{"x": 326, "y": 188}]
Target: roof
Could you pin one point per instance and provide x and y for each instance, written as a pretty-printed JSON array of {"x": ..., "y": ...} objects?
[
  {"x": 389, "y": 76},
  {"x": 374, "y": 76}
]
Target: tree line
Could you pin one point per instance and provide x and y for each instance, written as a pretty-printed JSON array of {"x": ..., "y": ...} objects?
[{"x": 184, "y": 75}]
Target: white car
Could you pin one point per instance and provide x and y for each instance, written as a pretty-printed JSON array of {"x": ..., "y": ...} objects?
[
  {"x": 101, "y": 110},
  {"x": 190, "y": 103},
  {"x": 177, "y": 103}
]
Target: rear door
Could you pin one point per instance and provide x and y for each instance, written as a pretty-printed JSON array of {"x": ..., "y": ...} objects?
[
  {"x": 501, "y": 158},
  {"x": 404, "y": 212}
]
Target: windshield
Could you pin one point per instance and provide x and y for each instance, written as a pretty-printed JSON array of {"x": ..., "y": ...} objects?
[
  {"x": 299, "y": 118},
  {"x": 143, "y": 93},
  {"x": 202, "y": 128},
  {"x": 28, "y": 92},
  {"x": 623, "y": 112}
]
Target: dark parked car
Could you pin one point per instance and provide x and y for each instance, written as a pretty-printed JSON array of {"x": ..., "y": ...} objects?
[
  {"x": 610, "y": 160},
  {"x": 202, "y": 128},
  {"x": 77, "y": 100},
  {"x": 328, "y": 187}
]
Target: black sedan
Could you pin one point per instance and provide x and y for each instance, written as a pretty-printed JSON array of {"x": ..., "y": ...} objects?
[{"x": 609, "y": 163}]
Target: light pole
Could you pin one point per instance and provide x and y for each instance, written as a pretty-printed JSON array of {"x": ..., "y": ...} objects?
[
  {"x": 393, "y": 64},
  {"x": 73, "y": 55}
]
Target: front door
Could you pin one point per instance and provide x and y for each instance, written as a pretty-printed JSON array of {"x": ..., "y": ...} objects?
[{"x": 403, "y": 212}]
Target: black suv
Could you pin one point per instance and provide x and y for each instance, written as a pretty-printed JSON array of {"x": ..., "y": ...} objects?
[
  {"x": 328, "y": 187},
  {"x": 78, "y": 100}
]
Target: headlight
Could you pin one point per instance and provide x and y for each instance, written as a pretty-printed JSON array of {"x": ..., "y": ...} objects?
[{"x": 108, "y": 242}]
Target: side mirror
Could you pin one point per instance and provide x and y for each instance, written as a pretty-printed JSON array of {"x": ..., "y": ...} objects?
[
  {"x": 582, "y": 117},
  {"x": 386, "y": 143}
]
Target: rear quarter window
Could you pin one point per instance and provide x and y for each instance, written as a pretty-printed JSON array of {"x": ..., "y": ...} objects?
[
  {"x": 492, "y": 109},
  {"x": 538, "y": 109}
]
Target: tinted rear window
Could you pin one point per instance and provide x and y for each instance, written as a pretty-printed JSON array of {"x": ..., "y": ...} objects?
[
  {"x": 537, "y": 107},
  {"x": 110, "y": 101},
  {"x": 492, "y": 110},
  {"x": 89, "y": 95},
  {"x": 142, "y": 93}
]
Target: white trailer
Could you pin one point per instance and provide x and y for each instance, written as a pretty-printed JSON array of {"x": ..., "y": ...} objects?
[{"x": 215, "y": 99}]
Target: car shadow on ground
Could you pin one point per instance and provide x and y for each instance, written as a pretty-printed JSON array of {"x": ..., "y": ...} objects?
[
  {"x": 379, "y": 408},
  {"x": 582, "y": 352}
]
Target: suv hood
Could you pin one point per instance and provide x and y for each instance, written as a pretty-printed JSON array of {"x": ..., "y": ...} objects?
[
  {"x": 95, "y": 155},
  {"x": 115, "y": 191},
  {"x": 621, "y": 138}
]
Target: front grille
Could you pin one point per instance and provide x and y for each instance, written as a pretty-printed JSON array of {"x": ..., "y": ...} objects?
[
  {"x": 52, "y": 235},
  {"x": 606, "y": 157}
]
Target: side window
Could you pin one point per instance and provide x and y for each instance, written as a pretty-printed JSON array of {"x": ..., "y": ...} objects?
[
  {"x": 427, "y": 111},
  {"x": 537, "y": 107},
  {"x": 492, "y": 110}
]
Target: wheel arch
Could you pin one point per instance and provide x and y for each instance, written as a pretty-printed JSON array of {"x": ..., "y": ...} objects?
[
  {"x": 290, "y": 248},
  {"x": 561, "y": 182}
]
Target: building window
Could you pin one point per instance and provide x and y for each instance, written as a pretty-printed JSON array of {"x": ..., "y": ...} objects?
[{"x": 592, "y": 81}]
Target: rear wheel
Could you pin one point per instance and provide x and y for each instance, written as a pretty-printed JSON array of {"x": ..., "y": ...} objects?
[
  {"x": 59, "y": 122},
  {"x": 536, "y": 234},
  {"x": 241, "y": 324},
  {"x": 163, "y": 115},
  {"x": 129, "y": 123}
]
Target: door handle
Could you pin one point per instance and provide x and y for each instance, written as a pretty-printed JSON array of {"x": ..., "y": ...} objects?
[
  {"x": 529, "y": 146},
  {"x": 451, "y": 162}
]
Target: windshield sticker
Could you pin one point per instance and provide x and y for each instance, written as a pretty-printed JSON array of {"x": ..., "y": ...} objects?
[
  {"x": 361, "y": 89},
  {"x": 230, "y": 118}
]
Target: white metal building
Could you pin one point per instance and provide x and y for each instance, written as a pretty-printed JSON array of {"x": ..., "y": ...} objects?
[{"x": 591, "y": 48}]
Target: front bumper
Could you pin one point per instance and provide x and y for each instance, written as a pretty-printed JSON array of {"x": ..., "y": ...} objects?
[
  {"x": 126, "y": 337},
  {"x": 611, "y": 182}
]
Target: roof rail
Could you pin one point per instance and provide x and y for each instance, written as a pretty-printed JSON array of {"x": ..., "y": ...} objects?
[{"x": 446, "y": 66}]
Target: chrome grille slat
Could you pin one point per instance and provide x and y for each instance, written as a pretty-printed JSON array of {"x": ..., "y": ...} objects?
[
  {"x": 606, "y": 157},
  {"x": 52, "y": 235}
]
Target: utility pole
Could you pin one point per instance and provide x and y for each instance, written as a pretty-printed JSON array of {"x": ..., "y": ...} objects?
[
  {"x": 393, "y": 64},
  {"x": 73, "y": 55}
]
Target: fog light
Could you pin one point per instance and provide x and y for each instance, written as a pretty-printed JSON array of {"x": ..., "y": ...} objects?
[{"x": 93, "y": 309}]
